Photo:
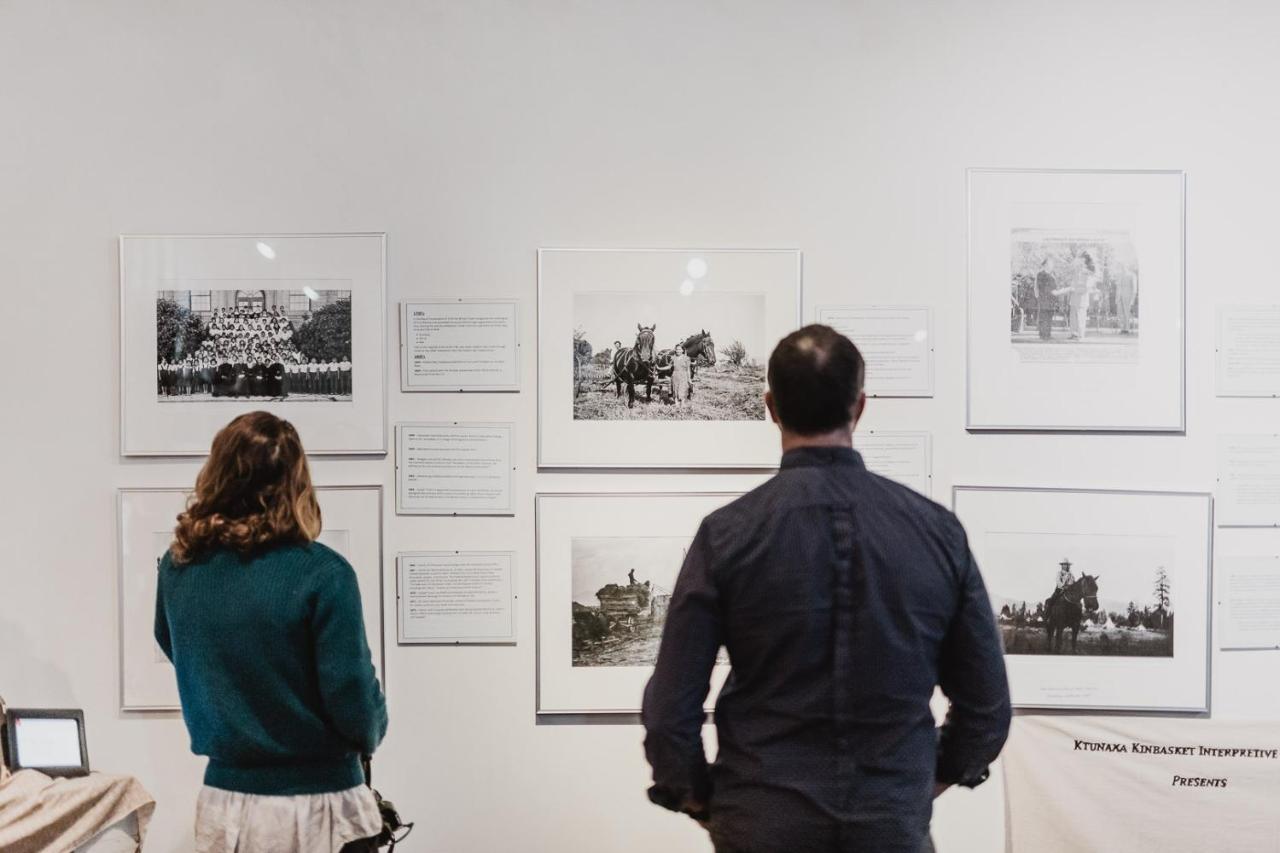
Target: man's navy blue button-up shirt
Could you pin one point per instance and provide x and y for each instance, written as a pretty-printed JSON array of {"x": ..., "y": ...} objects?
[{"x": 843, "y": 599}]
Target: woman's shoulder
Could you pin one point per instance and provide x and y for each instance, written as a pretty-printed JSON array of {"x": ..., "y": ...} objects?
[{"x": 316, "y": 556}]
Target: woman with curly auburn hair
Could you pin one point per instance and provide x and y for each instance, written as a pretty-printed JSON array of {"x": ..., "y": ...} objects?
[{"x": 265, "y": 628}]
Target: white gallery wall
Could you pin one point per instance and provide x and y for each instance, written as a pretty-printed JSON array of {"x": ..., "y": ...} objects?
[{"x": 475, "y": 132}]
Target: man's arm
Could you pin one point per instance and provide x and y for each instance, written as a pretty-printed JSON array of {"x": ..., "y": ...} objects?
[
  {"x": 972, "y": 674},
  {"x": 673, "y": 700}
]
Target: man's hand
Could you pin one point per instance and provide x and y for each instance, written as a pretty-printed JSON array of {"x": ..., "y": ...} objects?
[{"x": 938, "y": 788}]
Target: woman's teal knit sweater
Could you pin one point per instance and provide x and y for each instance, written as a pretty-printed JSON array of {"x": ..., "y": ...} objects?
[{"x": 277, "y": 683}]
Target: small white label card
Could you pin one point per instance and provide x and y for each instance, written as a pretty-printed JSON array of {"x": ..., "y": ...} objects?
[
  {"x": 455, "y": 469},
  {"x": 897, "y": 344},
  {"x": 455, "y": 597},
  {"x": 460, "y": 345},
  {"x": 905, "y": 457}
]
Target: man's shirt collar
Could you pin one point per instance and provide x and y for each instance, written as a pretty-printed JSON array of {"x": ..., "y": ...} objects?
[{"x": 801, "y": 457}]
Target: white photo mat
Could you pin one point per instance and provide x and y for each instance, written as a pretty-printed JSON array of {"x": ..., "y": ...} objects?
[
  {"x": 147, "y": 516},
  {"x": 346, "y": 262},
  {"x": 1104, "y": 381},
  {"x": 895, "y": 341},
  {"x": 648, "y": 284},
  {"x": 560, "y": 518},
  {"x": 1058, "y": 521},
  {"x": 480, "y": 337},
  {"x": 471, "y": 482},
  {"x": 481, "y": 612}
]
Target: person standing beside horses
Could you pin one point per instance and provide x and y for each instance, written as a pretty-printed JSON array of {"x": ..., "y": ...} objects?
[
  {"x": 681, "y": 383},
  {"x": 843, "y": 599}
]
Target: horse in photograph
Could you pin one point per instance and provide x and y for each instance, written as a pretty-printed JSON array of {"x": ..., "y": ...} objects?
[
  {"x": 634, "y": 365},
  {"x": 1066, "y": 609},
  {"x": 701, "y": 350}
]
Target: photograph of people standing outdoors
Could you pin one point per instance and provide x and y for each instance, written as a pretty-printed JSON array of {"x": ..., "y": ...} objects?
[
  {"x": 1073, "y": 287},
  {"x": 253, "y": 344}
]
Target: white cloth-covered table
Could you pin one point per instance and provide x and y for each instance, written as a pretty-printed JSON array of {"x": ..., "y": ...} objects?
[
  {"x": 1176, "y": 785},
  {"x": 121, "y": 837},
  {"x": 39, "y": 814}
]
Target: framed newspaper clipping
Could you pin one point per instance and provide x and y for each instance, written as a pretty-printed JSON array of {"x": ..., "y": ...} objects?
[{"x": 1076, "y": 301}]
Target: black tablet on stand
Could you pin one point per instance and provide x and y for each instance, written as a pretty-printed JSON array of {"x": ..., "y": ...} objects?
[{"x": 51, "y": 741}]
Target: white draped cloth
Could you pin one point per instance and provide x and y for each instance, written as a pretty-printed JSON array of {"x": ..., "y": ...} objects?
[
  {"x": 231, "y": 822},
  {"x": 1174, "y": 785}
]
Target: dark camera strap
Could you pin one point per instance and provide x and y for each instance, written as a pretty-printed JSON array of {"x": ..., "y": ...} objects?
[{"x": 391, "y": 834}]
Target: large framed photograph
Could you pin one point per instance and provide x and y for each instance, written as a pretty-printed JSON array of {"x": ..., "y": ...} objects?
[
  {"x": 1076, "y": 301},
  {"x": 147, "y": 516},
  {"x": 1102, "y": 597},
  {"x": 214, "y": 326},
  {"x": 655, "y": 358},
  {"x": 606, "y": 566}
]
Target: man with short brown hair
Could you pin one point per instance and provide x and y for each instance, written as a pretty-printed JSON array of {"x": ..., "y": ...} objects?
[{"x": 843, "y": 599}]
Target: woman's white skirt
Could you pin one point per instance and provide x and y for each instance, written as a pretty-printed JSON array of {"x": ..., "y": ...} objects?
[{"x": 231, "y": 822}]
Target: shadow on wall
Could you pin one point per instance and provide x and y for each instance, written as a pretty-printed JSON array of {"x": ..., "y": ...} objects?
[{"x": 28, "y": 679}]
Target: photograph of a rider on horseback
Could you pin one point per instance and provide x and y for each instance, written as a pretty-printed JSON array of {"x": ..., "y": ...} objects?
[
  {"x": 1109, "y": 595},
  {"x": 1065, "y": 609}
]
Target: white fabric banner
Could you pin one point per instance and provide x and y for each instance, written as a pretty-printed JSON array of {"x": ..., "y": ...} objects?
[{"x": 1137, "y": 783}]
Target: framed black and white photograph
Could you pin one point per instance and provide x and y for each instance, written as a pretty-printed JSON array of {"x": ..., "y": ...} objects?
[
  {"x": 460, "y": 345},
  {"x": 1102, "y": 597},
  {"x": 607, "y": 565},
  {"x": 1076, "y": 301},
  {"x": 655, "y": 358},
  {"x": 212, "y": 326},
  {"x": 147, "y": 517}
]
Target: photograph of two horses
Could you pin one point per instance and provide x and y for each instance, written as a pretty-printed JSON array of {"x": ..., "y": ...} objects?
[
  {"x": 1082, "y": 594},
  {"x": 696, "y": 356}
]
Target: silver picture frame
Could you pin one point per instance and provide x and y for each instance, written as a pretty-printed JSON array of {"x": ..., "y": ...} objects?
[
  {"x": 128, "y": 707},
  {"x": 542, "y": 708},
  {"x": 544, "y": 462},
  {"x": 1175, "y": 428},
  {"x": 1203, "y": 704},
  {"x": 375, "y": 447}
]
